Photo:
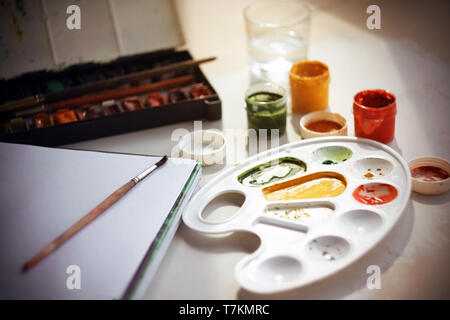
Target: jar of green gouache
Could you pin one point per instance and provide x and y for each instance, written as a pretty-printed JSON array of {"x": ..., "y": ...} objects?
[{"x": 266, "y": 107}]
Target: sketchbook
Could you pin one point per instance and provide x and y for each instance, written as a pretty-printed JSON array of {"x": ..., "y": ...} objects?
[{"x": 44, "y": 191}]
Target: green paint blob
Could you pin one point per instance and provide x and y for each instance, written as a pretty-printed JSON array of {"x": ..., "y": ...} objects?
[
  {"x": 332, "y": 155},
  {"x": 271, "y": 171}
]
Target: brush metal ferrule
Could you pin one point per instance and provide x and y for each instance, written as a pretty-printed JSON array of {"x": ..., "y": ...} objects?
[{"x": 143, "y": 174}]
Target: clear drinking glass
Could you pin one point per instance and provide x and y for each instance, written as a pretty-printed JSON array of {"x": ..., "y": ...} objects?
[{"x": 277, "y": 32}]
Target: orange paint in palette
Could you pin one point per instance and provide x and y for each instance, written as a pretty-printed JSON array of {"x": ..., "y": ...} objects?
[
  {"x": 316, "y": 185},
  {"x": 369, "y": 175},
  {"x": 429, "y": 173},
  {"x": 375, "y": 193},
  {"x": 323, "y": 126}
]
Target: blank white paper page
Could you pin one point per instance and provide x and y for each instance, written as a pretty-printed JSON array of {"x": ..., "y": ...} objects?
[{"x": 44, "y": 191}]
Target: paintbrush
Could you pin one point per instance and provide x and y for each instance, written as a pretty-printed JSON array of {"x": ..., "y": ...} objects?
[
  {"x": 92, "y": 215},
  {"x": 122, "y": 93},
  {"x": 108, "y": 95},
  {"x": 68, "y": 93}
]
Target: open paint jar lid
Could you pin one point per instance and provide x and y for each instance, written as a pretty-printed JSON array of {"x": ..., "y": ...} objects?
[
  {"x": 204, "y": 146},
  {"x": 321, "y": 124},
  {"x": 430, "y": 175}
]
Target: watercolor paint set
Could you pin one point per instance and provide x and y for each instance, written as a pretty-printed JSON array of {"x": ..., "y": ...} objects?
[
  {"x": 317, "y": 205},
  {"x": 76, "y": 113}
]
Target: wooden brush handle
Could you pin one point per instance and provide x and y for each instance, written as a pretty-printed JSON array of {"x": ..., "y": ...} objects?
[
  {"x": 122, "y": 93},
  {"x": 97, "y": 86},
  {"x": 88, "y": 218},
  {"x": 18, "y": 104}
]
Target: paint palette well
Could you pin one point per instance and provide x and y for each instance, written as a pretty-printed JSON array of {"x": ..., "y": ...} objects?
[{"x": 313, "y": 217}]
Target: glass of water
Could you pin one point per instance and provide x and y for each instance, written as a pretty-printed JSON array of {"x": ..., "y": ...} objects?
[{"x": 277, "y": 32}]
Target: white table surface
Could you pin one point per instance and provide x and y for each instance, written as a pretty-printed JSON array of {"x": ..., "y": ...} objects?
[{"x": 410, "y": 56}]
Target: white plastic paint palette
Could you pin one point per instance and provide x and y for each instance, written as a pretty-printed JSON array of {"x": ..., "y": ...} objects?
[{"x": 305, "y": 240}]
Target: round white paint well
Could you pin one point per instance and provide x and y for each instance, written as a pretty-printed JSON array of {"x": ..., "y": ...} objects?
[
  {"x": 331, "y": 155},
  {"x": 360, "y": 221},
  {"x": 279, "y": 270},
  {"x": 372, "y": 168},
  {"x": 328, "y": 248},
  {"x": 223, "y": 207}
]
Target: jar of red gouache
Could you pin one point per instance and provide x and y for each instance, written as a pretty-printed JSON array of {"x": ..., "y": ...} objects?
[{"x": 374, "y": 113}]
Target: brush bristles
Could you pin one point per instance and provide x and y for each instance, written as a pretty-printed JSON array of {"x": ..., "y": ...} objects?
[{"x": 160, "y": 162}]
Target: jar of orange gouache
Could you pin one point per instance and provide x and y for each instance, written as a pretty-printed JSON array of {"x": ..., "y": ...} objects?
[
  {"x": 309, "y": 82},
  {"x": 374, "y": 114}
]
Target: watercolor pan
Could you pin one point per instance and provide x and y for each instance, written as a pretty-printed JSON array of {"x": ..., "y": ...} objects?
[
  {"x": 132, "y": 104},
  {"x": 111, "y": 107},
  {"x": 65, "y": 116},
  {"x": 156, "y": 99},
  {"x": 18, "y": 125},
  {"x": 199, "y": 102},
  {"x": 199, "y": 90},
  {"x": 312, "y": 223},
  {"x": 87, "y": 112},
  {"x": 177, "y": 95},
  {"x": 42, "y": 120}
]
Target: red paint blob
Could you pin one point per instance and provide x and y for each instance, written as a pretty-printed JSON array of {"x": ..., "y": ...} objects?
[
  {"x": 429, "y": 173},
  {"x": 375, "y": 193},
  {"x": 323, "y": 126}
]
